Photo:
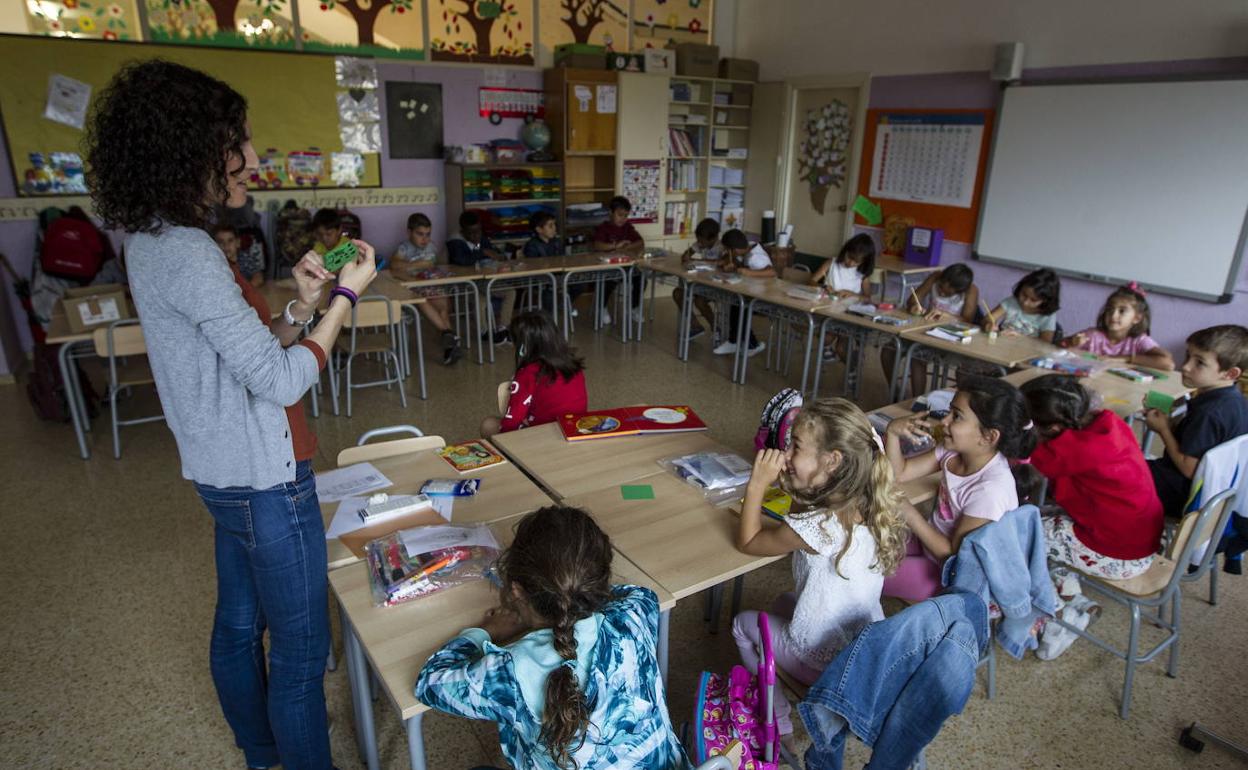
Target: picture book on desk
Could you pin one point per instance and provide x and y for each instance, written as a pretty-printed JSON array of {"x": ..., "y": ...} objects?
[
  {"x": 468, "y": 456},
  {"x": 954, "y": 332},
  {"x": 629, "y": 421}
]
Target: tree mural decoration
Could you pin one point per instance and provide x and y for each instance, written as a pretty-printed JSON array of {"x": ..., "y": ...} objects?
[
  {"x": 824, "y": 150},
  {"x": 365, "y": 13},
  {"x": 216, "y": 22},
  {"x": 584, "y": 15},
  {"x": 481, "y": 17}
]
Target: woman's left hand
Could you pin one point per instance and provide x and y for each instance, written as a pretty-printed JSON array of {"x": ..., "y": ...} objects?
[{"x": 310, "y": 279}]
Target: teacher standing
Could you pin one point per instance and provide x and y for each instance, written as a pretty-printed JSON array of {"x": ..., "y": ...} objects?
[{"x": 167, "y": 146}]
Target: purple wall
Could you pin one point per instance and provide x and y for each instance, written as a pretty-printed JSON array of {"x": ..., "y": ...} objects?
[
  {"x": 1174, "y": 318},
  {"x": 384, "y": 226}
]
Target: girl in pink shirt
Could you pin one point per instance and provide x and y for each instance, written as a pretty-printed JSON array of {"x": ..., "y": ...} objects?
[
  {"x": 1121, "y": 331},
  {"x": 987, "y": 427}
]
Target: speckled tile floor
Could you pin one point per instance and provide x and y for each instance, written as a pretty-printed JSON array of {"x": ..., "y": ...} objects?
[{"x": 108, "y": 592}]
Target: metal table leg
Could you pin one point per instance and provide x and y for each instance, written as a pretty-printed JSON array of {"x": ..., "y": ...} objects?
[
  {"x": 685, "y": 323},
  {"x": 74, "y": 400},
  {"x": 416, "y": 741},
  {"x": 664, "y": 628},
  {"x": 810, "y": 342},
  {"x": 420, "y": 356},
  {"x": 743, "y": 339},
  {"x": 357, "y": 671}
]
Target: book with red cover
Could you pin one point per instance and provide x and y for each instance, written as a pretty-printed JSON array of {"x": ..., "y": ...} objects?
[{"x": 629, "y": 421}]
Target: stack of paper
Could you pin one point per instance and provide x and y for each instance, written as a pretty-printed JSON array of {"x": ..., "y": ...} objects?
[{"x": 717, "y": 176}]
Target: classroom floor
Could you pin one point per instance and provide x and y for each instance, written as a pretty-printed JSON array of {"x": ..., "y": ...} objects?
[{"x": 108, "y": 598}]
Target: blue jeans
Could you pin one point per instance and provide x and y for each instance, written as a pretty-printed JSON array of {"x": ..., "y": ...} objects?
[
  {"x": 897, "y": 683},
  {"x": 271, "y": 573}
]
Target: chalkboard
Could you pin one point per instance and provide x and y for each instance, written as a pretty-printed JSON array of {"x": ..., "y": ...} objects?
[{"x": 414, "y": 119}]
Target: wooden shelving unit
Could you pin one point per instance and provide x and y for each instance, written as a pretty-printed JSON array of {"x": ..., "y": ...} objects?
[{"x": 585, "y": 139}]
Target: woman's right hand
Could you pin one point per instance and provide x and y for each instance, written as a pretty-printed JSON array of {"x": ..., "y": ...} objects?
[{"x": 357, "y": 275}]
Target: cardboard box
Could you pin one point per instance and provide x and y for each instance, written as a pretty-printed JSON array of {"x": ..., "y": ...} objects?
[
  {"x": 739, "y": 69},
  {"x": 581, "y": 56},
  {"x": 697, "y": 60},
  {"x": 90, "y": 307},
  {"x": 660, "y": 61}
]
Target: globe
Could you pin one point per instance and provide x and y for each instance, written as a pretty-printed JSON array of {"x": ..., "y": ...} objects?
[{"x": 536, "y": 136}]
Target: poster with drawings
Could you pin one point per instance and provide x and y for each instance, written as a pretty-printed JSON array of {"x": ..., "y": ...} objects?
[
  {"x": 641, "y": 187},
  {"x": 927, "y": 158}
]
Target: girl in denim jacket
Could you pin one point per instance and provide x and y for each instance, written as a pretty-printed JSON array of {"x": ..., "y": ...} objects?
[{"x": 845, "y": 533}]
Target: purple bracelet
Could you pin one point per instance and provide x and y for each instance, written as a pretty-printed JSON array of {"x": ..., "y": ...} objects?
[{"x": 343, "y": 291}]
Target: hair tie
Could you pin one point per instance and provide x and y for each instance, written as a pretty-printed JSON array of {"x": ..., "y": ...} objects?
[
  {"x": 1135, "y": 287},
  {"x": 569, "y": 663},
  {"x": 879, "y": 442},
  {"x": 1029, "y": 425}
]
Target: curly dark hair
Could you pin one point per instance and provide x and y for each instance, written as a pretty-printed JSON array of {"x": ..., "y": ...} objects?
[{"x": 157, "y": 142}]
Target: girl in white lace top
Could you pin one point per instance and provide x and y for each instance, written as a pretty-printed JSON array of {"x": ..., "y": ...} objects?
[{"x": 846, "y": 532}]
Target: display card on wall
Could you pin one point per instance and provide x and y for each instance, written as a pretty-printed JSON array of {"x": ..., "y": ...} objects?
[{"x": 414, "y": 119}]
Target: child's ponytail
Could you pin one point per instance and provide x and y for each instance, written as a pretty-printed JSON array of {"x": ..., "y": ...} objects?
[
  {"x": 566, "y": 714},
  {"x": 560, "y": 561},
  {"x": 885, "y": 519}
]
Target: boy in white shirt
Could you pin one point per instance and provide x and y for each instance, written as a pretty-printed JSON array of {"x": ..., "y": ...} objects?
[{"x": 752, "y": 262}]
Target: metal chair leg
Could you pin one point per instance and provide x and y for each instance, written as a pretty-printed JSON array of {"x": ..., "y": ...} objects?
[
  {"x": 1133, "y": 643},
  {"x": 1172, "y": 668}
]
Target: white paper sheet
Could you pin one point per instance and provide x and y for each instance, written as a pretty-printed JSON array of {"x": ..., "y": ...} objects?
[
  {"x": 606, "y": 100},
  {"x": 443, "y": 504},
  {"x": 352, "y": 480},
  {"x": 67, "y": 101},
  {"x": 346, "y": 518}
]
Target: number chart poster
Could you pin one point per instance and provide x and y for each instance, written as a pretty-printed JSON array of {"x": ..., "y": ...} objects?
[{"x": 928, "y": 165}]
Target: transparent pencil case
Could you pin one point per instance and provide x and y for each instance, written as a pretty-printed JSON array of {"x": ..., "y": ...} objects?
[
  {"x": 412, "y": 563},
  {"x": 720, "y": 476}
]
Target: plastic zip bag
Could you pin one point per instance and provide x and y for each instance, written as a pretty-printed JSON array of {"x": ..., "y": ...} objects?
[{"x": 412, "y": 563}]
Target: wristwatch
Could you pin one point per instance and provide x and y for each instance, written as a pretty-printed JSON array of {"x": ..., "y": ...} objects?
[{"x": 290, "y": 319}]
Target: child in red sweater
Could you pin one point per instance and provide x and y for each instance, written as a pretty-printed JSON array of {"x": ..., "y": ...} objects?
[
  {"x": 549, "y": 379},
  {"x": 1108, "y": 520}
]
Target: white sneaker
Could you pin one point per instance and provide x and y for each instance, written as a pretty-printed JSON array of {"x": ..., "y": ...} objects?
[
  {"x": 574, "y": 313},
  {"x": 1056, "y": 638},
  {"x": 637, "y": 315},
  {"x": 758, "y": 348},
  {"x": 606, "y": 317},
  {"x": 725, "y": 349}
]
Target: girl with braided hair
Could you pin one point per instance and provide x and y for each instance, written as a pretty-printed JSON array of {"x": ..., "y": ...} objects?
[{"x": 567, "y": 664}]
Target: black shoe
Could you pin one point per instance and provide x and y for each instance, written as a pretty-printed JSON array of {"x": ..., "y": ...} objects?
[
  {"x": 500, "y": 336},
  {"x": 451, "y": 351},
  {"x": 1233, "y": 566}
]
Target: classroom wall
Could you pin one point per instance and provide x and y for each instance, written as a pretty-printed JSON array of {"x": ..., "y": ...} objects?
[
  {"x": 893, "y": 37},
  {"x": 1174, "y": 318},
  {"x": 383, "y": 225}
]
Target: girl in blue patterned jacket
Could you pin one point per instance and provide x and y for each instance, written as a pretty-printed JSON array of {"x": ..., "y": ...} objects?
[{"x": 567, "y": 664}]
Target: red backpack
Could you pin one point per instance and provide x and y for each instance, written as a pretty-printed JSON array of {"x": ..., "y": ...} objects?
[{"x": 72, "y": 249}]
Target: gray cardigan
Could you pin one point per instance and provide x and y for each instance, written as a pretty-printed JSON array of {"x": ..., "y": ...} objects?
[{"x": 224, "y": 380}]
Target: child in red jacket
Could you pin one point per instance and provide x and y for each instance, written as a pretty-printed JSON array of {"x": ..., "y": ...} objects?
[
  {"x": 1109, "y": 518},
  {"x": 549, "y": 379}
]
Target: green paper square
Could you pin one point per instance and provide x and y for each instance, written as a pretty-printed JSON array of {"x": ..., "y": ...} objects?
[
  {"x": 637, "y": 491},
  {"x": 1160, "y": 401}
]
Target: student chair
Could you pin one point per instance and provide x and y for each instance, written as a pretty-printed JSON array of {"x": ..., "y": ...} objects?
[
  {"x": 780, "y": 336},
  {"x": 384, "y": 316},
  {"x": 504, "y": 397},
  {"x": 124, "y": 340},
  {"x": 1158, "y": 587},
  {"x": 363, "y": 451},
  {"x": 1217, "y": 462}
]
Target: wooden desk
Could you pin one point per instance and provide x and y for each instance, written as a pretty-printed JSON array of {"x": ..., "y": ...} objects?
[
  {"x": 570, "y": 468},
  {"x": 396, "y": 641},
  {"x": 678, "y": 538},
  {"x": 1009, "y": 350},
  {"x": 505, "y": 491},
  {"x": 905, "y": 271},
  {"x": 1124, "y": 397}
]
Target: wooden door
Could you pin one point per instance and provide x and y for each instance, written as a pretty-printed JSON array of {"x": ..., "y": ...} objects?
[{"x": 821, "y": 146}]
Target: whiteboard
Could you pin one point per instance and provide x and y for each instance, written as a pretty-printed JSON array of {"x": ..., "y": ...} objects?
[{"x": 1123, "y": 181}]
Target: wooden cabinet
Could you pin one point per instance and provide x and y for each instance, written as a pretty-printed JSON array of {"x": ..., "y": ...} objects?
[{"x": 582, "y": 109}]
